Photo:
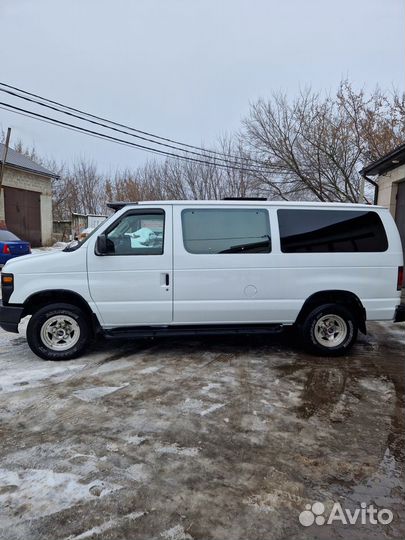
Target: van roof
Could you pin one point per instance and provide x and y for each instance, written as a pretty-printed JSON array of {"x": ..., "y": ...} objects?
[{"x": 245, "y": 202}]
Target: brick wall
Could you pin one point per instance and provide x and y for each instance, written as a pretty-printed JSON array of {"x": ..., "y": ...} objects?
[{"x": 25, "y": 180}]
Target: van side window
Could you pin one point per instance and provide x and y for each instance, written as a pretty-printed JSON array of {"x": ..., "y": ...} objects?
[
  {"x": 220, "y": 231},
  {"x": 137, "y": 234},
  {"x": 331, "y": 231}
]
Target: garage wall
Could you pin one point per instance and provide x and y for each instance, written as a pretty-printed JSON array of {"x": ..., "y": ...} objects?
[
  {"x": 388, "y": 187},
  {"x": 46, "y": 219},
  {"x": 400, "y": 211},
  {"x": 32, "y": 182},
  {"x": 391, "y": 194}
]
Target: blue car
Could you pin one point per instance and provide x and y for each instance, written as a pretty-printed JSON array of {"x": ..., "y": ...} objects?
[{"x": 11, "y": 246}]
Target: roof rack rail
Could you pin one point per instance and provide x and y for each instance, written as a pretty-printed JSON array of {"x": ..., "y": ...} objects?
[
  {"x": 117, "y": 205},
  {"x": 244, "y": 199}
]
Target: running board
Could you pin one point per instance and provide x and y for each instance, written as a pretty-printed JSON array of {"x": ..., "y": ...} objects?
[{"x": 190, "y": 330}]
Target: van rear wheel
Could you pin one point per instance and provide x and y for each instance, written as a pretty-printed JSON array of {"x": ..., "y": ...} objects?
[
  {"x": 329, "y": 330},
  {"x": 58, "y": 332}
]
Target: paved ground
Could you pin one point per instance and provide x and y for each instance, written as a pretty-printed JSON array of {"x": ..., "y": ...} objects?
[{"x": 223, "y": 439}]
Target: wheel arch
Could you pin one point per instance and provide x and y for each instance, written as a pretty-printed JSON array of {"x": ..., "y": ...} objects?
[
  {"x": 41, "y": 299},
  {"x": 346, "y": 298}
]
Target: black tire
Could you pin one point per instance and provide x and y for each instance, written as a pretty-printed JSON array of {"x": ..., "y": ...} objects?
[
  {"x": 79, "y": 336},
  {"x": 318, "y": 331}
]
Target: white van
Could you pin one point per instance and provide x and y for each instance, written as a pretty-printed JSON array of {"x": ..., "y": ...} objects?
[{"x": 204, "y": 267}]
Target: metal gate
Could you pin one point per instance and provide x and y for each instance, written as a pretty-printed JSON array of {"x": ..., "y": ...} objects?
[{"x": 22, "y": 210}]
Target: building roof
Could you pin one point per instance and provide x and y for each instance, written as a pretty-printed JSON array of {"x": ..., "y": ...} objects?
[
  {"x": 390, "y": 161},
  {"x": 19, "y": 161}
]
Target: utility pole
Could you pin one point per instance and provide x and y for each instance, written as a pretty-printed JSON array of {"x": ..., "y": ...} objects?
[
  {"x": 3, "y": 161},
  {"x": 3, "y": 166}
]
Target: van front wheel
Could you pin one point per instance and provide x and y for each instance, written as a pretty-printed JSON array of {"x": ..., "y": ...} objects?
[
  {"x": 58, "y": 332},
  {"x": 329, "y": 330}
]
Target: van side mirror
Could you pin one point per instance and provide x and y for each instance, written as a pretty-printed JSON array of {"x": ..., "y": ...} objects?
[{"x": 101, "y": 244}]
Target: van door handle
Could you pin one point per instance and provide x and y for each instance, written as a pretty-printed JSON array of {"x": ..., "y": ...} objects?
[{"x": 165, "y": 280}]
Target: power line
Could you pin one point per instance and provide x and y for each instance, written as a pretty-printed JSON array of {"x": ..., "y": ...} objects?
[
  {"x": 199, "y": 154},
  {"x": 54, "y": 121},
  {"x": 167, "y": 140},
  {"x": 201, "y": 149}
]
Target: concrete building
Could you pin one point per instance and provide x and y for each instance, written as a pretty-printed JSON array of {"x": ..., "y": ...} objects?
[
  {"x": 26, "y": 198},
  {"x": 388, "y": 179}
]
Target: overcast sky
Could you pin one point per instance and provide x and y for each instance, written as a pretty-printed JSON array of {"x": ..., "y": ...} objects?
[{"x": 186, "y": 69}]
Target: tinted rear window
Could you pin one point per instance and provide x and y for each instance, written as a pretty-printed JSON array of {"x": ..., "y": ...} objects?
[
  {"x": 7, "y": 236},
  {"x": 214, "y": 231},
  {"x": 331, "y": 231}
]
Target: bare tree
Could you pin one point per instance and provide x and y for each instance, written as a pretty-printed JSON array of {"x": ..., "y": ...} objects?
[
  {"x": 88, "y": 186},
  {"x": 79, "y": 188},
  {"x": 378, "y": 119},
  {"x": 214, "y": 176},
  {"x": 209, "y": 178},
  {"x": 314, "y": 146},
  {"x": 144, "y": 183}
]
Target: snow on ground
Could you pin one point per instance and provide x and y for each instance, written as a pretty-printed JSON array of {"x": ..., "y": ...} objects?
[{"x": 43, "y": 492}]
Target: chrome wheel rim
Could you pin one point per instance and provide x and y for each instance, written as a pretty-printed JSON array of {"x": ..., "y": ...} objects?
[
  {"x": 60, "y": 333},
  {"x": 330, "y": 331}
]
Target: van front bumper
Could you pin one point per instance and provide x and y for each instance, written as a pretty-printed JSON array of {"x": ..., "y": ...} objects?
[
  {"x": 400, "y": 313},
  {"x": 10, "y": 316}
]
